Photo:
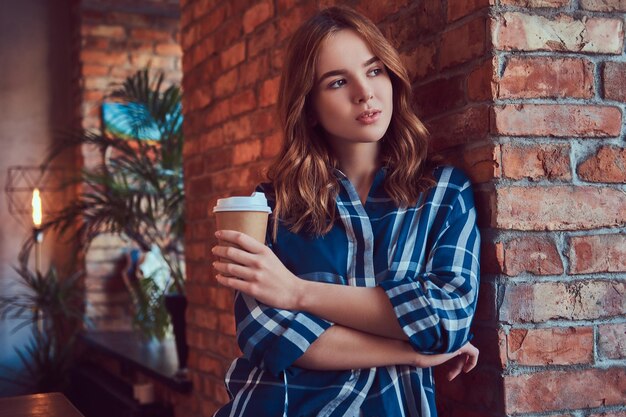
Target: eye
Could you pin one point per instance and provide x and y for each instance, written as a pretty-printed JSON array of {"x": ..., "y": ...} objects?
[
  {"x": 337, "y": 84},
  {"x": 375, "y": 71}
]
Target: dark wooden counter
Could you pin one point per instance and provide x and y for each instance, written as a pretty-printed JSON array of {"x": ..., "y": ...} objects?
[{"x": 52, "y": 404}]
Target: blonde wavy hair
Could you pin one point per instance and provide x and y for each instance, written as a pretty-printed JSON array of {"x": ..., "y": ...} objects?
[{"x": 305, "y": 188}]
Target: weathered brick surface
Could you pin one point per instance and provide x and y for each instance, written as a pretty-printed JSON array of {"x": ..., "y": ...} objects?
[
  {"x": 168, "y": 49},
  {"x": 555, "y": 346},
  {"x": 481, "y": 82},
  {"x": 535, "y": 255},
  {"x": 420, "y": 61},
  {"x": 547, "y": 77},
  {"x": 604, "y": 5},
  {"x": 578, "y": 300},
  {"x": 293, "y": 18},
  {"x": 105, "y": 31},
  {"x": 491, "y": 257},
  {"x": 559, "y": 208},
  {"x": 525, "y": 32},
  {"x": 98, "y": 57},
  {"x": 468, "y": 124},
  {"x": 378, "y": 10},
  {"x": 246, "y": 152},
  {"x": 440, "y": 96},
  {"x": 241, "y": 103},
  {"x": 459, "y": 9},
  {"x": 254, "y": 70},
  {"x": 558, "y": 390},
  {"x": 418, "y": 22},
  {"x": 257, "y": 14},
  {"x": 210, "y": 365},
  {"x": 536, "y": 162},
  {"x": 598, "y": 253},
  {"x": 482, "y": 163},
  {"x": 268, "y": 94},
  {"x": 609, "y": 414},
  {"x": 464, "y": 43},
  {"x": 233, "y": 55},
  {"x": 266, "y": 39},
  {"x": 535, "y": 3},
  {"x": 558, "y": 120},
  {"x": 614, "y": 81},
  {"x": 272, "y": 144},
  {"x": 612, "y": 341},
  {"x": 607, "y": 165}
]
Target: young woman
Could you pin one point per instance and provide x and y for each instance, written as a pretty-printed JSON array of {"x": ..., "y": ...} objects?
[{"x": 370, "y": 273}]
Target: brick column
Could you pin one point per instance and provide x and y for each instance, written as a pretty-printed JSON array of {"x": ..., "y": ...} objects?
[
  {"x": 559, "y": 208},
  {"x": 535, "y": 118}
]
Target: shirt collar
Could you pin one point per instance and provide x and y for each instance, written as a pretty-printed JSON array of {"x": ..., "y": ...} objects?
[{"x": 340, "y": 175}]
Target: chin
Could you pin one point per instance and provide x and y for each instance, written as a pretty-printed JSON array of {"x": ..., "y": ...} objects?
[
  {"x": 374, "y": 136},
  {"x": 372, "y": 139}
]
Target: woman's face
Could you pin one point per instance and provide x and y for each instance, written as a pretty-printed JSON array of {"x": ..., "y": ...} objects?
[{"x": 352, "y": 96}]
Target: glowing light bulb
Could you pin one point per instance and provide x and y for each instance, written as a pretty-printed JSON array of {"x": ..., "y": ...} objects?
[{"x": 37, "y": 212}]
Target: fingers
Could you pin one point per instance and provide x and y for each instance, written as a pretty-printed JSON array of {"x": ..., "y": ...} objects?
[
  {"x": 244, "y": 241},
  {"x": 471, "y": 361},
  {"x": 456, "y": 368},
  {"x": 233, "y": 270},
  {"x": 235, "y": 255},
  {"x": 234, "y": 283},
  {"x": 465, "y": 362}
]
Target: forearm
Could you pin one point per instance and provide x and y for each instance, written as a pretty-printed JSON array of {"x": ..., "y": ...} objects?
[
  {"x": 365, "y": 309},
  {"x": 343, "y": 348}
]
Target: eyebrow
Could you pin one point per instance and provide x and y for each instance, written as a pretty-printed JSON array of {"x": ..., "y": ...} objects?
[{"x": 343, "y": 71}]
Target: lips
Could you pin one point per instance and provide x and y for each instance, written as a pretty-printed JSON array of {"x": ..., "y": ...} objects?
[{"x": 369, "y": 116}]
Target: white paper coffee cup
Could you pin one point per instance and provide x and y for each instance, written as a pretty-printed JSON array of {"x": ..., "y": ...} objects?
[{"x": 248, "y": 215}]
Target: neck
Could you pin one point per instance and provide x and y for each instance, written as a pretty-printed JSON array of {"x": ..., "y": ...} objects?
[{"x": 359, "y": 161}]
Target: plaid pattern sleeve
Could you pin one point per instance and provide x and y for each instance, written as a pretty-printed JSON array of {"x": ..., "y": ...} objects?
[
  {"x": 273, "y": 338},
  {"x": 435, "y": 307}
]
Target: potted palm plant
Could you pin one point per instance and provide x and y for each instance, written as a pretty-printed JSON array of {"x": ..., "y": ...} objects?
[
  {"x": 52, "y": 306},
  {"x": 137, "y": 192}
]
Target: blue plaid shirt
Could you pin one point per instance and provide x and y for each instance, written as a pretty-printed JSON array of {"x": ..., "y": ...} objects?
[{"x": 426, "y": 259}]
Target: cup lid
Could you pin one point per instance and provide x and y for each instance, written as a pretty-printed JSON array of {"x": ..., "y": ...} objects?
[{"x": 256, "y": 202}]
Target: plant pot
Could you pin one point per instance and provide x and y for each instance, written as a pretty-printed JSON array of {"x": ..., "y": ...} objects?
[{"x": 176, "y": 305}]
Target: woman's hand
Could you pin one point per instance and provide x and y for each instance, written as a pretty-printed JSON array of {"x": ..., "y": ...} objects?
[
  {"x": 256, "y": 271},
  {"x": 464, "y": 359}
]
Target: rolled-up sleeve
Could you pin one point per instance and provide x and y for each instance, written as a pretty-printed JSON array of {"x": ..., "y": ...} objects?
[
  {"x": 274, "y": 338},
  {"x": 435, "y": 308}
]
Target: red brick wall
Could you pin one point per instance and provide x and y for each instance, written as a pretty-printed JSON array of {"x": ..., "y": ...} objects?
[
  {"x": 116, "y": 39},
  {"x": 538, "y": 127}
]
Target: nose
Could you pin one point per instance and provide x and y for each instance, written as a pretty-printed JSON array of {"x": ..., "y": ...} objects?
[{"x": 362, "y": 92}]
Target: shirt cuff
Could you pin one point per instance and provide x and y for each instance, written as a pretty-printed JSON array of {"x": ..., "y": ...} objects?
[
  {"x": 414, "y": 313},
  {"x": 292, "y": 344}
]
